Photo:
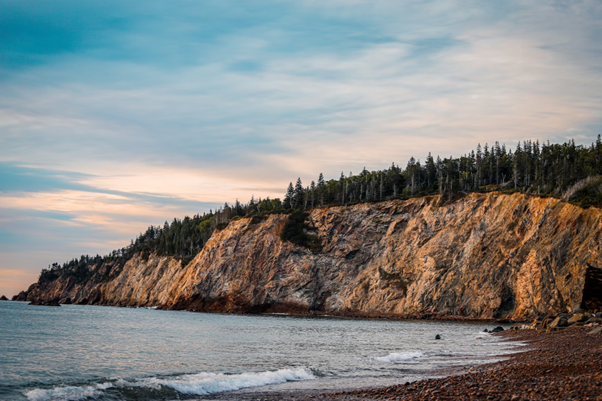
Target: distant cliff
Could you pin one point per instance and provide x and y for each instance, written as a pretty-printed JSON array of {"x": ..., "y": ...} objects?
[{"x": 483, "y": 256}]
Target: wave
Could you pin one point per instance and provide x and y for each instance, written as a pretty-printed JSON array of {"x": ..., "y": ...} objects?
[
  {"x": 210, "y": 383},
  {"x": 194, "y": 384},
  {"x": 396, "y": 357},
  {"x": 68, "y": 393}
]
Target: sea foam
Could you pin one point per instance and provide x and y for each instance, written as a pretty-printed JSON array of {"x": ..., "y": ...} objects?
[
  {"x": 195, "y": 384},
  {"x": 67, "y": 393},
  {"x": 210, "y": 383},
  {"x": 396, "y": 357}
]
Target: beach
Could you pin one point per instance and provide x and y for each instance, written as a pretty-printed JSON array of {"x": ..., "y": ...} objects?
[{"x": 558, "y": 365}]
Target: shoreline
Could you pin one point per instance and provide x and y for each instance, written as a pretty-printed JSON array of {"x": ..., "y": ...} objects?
[
  {"x": 351, "y": 315},
  {"x": 556, "y": 365}
]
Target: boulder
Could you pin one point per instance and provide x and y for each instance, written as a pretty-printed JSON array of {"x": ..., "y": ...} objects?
[
  {"x": 3, "y": 298},
  {"x": 539, "y": 319},
  {"x": 593, "y": 320},
  {"x": 558, "y": 322},
  {"x": 538, "y": 322},
  {"x": 437, "y": 337},
  {"x": 597, "y": 330},
  {"x": 578, "y": 317},
  {"x": 497, "y": 329}
]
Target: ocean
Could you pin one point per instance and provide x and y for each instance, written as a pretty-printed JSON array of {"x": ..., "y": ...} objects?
[{"x": 78, "y": 352}]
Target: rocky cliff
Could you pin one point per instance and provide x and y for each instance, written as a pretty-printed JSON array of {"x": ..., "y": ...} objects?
[{"x": 483, "y": 256}]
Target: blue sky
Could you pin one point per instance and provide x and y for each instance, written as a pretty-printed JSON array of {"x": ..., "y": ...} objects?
[{"x": 117, "y": 115}]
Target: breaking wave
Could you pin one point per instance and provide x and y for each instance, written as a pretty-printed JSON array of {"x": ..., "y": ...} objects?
[
  {"x": 210, "y": 383},
  {"x": 68, "y": 393},
  {"x": 395, "y": 357},
  {"x": 194, "y": 384}
]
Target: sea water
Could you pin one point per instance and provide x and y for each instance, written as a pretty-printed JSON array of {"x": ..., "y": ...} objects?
[{"x": 77, "y": 352}]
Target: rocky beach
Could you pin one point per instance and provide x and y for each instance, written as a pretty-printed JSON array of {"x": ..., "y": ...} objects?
[
  {"x": 552, "y": 365},
  {"x": 555, "y": 364}
]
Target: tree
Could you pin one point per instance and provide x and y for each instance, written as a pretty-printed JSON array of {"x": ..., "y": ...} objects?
[
  {"x": 299, "y": 192},
  {"x": 289, "y": 198},
  {"x": 321, "y": 188}
]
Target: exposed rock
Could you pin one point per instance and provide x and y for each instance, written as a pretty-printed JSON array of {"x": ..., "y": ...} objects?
[
  {"x": 66, "y": 301},
  {"x": 437, "y": 337},
  {"x": 22, "y": 296},
  {"x": 593, "y": 320},
  {"x": 497, "y": 329},
  {"x": 44, "y": 303},
  {"x": 597, "y": 330},
  {"x": 486, "y": 256},
  {"x": 579, "y": 317},
  {"x": 558, "y": 322},
  {"x": 3, "y": 298},
  {"x": 592, "y": 288}
]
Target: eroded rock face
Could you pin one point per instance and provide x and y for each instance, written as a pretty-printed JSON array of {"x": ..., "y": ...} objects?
[{"x": 484, "y": 256}]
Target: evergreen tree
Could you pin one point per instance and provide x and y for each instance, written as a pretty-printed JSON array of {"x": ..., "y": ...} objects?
[
  {"x": 289, "y": 198},
  {"x": 299, "y": 192}
]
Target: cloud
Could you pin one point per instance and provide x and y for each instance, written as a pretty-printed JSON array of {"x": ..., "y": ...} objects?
[{"x": 112, "y": 113}]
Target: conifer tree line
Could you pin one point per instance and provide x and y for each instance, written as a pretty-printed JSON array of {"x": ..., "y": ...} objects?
[
  {"x": 560, "y": 170},
  {"x": 568, "y": 171}
]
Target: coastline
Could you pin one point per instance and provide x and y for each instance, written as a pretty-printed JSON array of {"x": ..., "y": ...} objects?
[
  {"x": 559, "y": 365},
  {"x": 556, "y": 365}
]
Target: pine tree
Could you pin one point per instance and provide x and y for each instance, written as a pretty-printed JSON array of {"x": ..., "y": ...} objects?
[
  {"x": 299, "y": 192},
  {"x": 321, "y": 188},
  {"x": 289, "y": 198}
]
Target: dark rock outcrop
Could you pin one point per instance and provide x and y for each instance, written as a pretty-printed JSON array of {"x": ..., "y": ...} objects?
[
  {"x": 485, "y": 256},
  {"x": 44, "y": 303},
  {"x": 592, "y": 289},
  {"x": 3, "y": 298}
]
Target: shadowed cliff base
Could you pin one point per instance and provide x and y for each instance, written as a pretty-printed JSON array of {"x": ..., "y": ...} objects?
[
  {"x": 484, "y": 256},
  {"x": 240, "y": 306}
]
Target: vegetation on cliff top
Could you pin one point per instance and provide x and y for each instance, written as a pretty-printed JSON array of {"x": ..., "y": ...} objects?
[{"x": 567, "y": 171}]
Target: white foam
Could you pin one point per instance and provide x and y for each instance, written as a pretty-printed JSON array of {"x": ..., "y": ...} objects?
[
  {"x": 68, "y": 393},
  {"x": 211, "y": 383},
  {"x": 396, "y": 357},
  {"x": 196, "y": 384}
]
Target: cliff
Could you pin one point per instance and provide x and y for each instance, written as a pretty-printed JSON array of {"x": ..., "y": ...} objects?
[{"x": 484, "y": 256}]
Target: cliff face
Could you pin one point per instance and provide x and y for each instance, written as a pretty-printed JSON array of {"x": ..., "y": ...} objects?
[{"x": 484, "y": 256}]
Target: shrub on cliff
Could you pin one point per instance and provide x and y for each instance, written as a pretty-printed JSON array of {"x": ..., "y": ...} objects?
[
  {"x": 294, "y": 231},
  {"x": 585, "y": 193},
  {"x": 221, "y": 226}
]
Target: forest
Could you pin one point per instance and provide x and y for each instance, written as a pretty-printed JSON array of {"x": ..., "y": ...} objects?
[{"x": 567, "y": 171}]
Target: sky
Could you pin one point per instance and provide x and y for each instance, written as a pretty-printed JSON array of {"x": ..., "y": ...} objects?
[{"x": 117, "y": 115}]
